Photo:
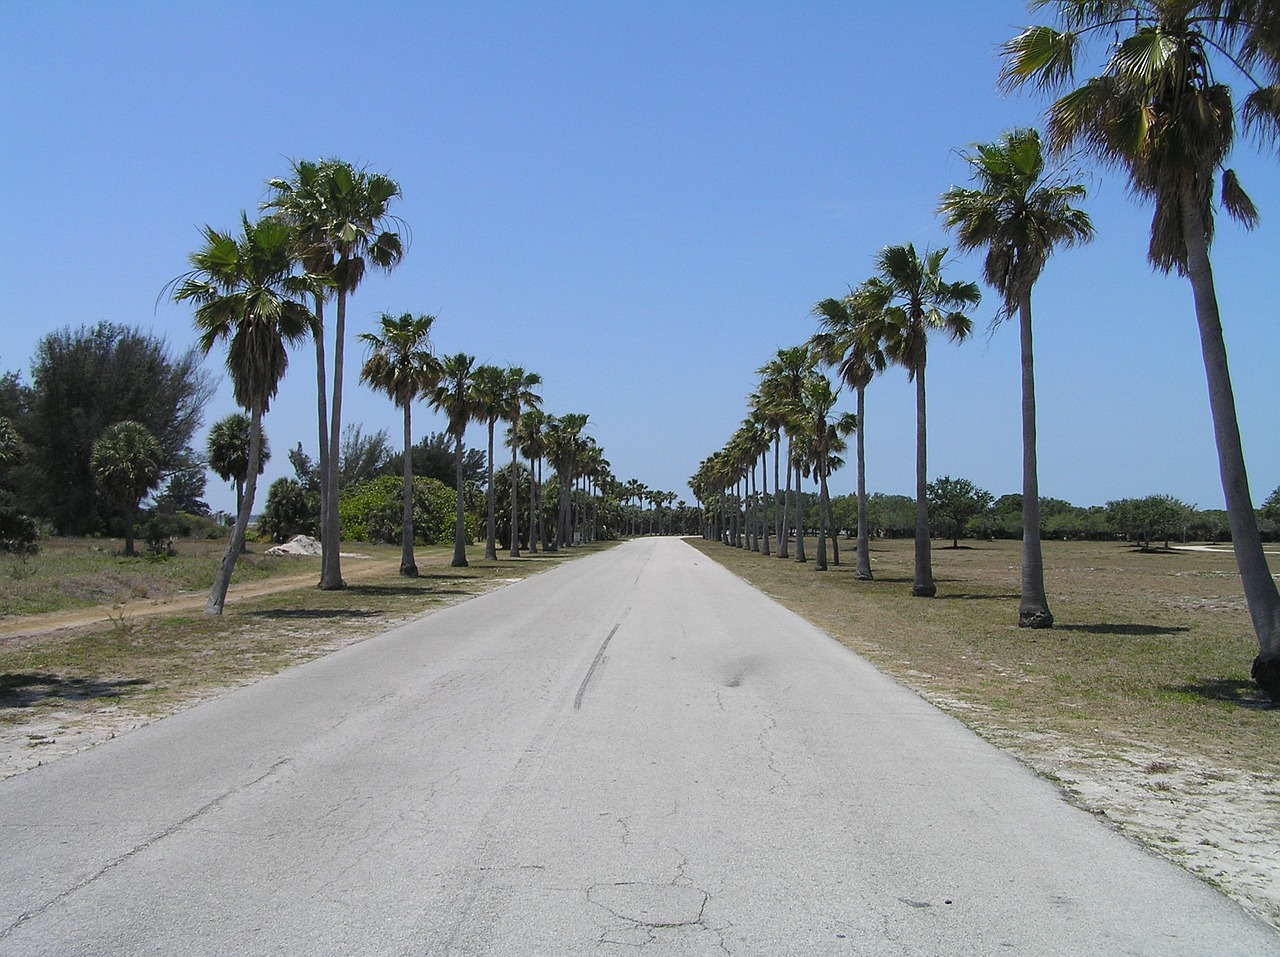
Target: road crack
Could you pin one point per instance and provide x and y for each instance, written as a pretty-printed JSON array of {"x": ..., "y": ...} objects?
[{"x": 111, "y": 865}]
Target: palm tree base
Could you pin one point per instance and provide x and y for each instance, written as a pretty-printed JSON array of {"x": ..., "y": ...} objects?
[
  {"x": 339, "y": 585},
  {"x": 409, "y": 571},
  {"x": 1266, "y": 674},
  {"x": 460, "y": 563},
  {"x": 863, "y": 577},
  {"x": 924, "y": 591},
  {"x": 1035, "y": 619}
]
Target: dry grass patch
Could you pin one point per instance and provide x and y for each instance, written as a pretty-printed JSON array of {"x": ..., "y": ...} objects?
[{"x": 69, "y": 573}]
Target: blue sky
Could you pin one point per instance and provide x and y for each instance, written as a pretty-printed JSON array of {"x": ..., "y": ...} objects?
[{"x": 639, "y": 201}]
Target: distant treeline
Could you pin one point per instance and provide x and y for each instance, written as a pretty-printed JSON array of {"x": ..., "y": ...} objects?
[{"x": 1155, "y": 518}]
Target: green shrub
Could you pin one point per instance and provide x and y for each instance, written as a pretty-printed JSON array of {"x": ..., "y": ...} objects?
[
  {"x": 18, "y": 533},
  {"x": 371, "y": 511},
  {"x": 291, "y": 510}
]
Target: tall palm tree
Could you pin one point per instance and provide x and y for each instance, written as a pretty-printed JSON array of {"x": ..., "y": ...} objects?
[
  {"x": 817, "y": 400},
  {"x": 342, "y": 216},
  {"x": 1160, "y": 112},
  {"x": 1019, "y": 216},
  {"x": 564, "y": 443},
  {"x": 246, "y": 291},
  {"x": 401, "y": 364},
  {"x": 909, "y": 298},
  {"x": 126, "y": 461},
  {"x": 849, "y": 340},
  {"x": 228, "y": 450},
  {"x": 520, "y": 397},
  {"x": 763, "y": 423},
  {"x": 453, "y": 395},
  {"x": 533, "y": 446},
  {"x": 489, "y": 400},
  {"x": 780, "y": 385}
]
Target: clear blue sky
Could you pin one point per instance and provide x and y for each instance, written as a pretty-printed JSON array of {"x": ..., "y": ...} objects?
[{"x": 640, "y": 201}]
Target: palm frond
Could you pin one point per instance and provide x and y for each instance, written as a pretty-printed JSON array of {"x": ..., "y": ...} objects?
[
  {"x": 1237, "y": 202},
  {"x": 1260, "y": 115},
  {"x": 1039, "y": 55}
]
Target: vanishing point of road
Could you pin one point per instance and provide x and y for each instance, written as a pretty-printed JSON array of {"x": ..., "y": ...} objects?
[{"x": 633, "y": 753}]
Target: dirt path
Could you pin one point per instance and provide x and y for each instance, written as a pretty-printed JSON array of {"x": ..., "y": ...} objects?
[{"x": 361, "y": 568}]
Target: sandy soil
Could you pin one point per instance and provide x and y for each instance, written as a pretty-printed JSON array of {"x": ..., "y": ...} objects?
[{"x": 1220, "y": 823}]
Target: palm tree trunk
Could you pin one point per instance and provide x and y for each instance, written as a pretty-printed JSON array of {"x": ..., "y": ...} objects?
[
  {"x": 331, "y": 564},
  {"x": 408, "y": 567},
  {"x": 222, "y": 580},
  {"x": 533, "y": 510},
  {"x": 562, "y": 516},
  {"x": 515, "y": 490},
  {"x": 754, "y": 528},
  {"x": 820, "y": 563},
  {"x": 864, "y": 546},
  {"x": 1033, "y": 606},
  {"x": 777, "y": 494},
  {"x": 535, "y": 498},
  {"x": 800, "y": 519},
  {"x": 764, "y": 502},
  {"x": 1259, "y": 587},
  {"x": 832, "y": 532},
  {"x": 129, "y": 514},
  {"x": 784, "y": 535},
  {"x": 922, "y": 585},
  {"x": 490, "y": 541},
  {"x": 322, "y": 413},
  {"x": 459, "y": 518}
]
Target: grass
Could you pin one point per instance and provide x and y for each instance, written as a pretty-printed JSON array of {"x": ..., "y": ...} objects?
[
  {"x": 150, "y": 664},
  {"x": 69, "y": 573},
  {"x": 1147, "y": 648}
]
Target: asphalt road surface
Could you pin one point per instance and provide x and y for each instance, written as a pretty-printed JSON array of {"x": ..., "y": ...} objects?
[{"x": 634, "y": 753}]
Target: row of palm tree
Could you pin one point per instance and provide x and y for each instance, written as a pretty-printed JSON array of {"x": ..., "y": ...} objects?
[
  {"x": 1158, "y": 110},
  {"x": 885, "y": 320},
  {"x": 264, "y": 289}
]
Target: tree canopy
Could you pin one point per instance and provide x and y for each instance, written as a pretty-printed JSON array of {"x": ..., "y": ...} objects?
[{"x": 84, "y": 380}]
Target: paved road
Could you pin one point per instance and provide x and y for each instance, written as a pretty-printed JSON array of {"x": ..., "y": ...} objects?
[{"x": 635, "y": 753}]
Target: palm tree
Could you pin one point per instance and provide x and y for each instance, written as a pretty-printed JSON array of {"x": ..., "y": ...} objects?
[
  {"x": 246, "y": 291},
  {"x": 763, "y": 426},
  {"x": 817, "y": 399},
  {"x": 126, "y": 461},
  {"x": 564, "y": 442},
  {"x": 849, "y": 340},
  {"x": 780, "y": 386},
  {"x": 400, "y": 364},
  {"x": 1019, "y": 217},
  {"x": 519, "y": 394},
  {"x": 453, "y": 394},
  {"x": 909, "y": 298},
  {"x": 533, "y": 446},
  {"x": 341, "y": 214},
  {"x": 228, "y": 449},
  {"x": 1159, "y": 112},
  {"x": 489, "y": 401}
]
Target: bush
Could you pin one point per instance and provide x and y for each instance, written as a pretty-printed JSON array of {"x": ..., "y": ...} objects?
[
  {"x": 290, "y": 510},
  {"x": 371, "y": 511},
  {"x": 159, "y": 533},
  {"x": 18, "y": 533}
]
